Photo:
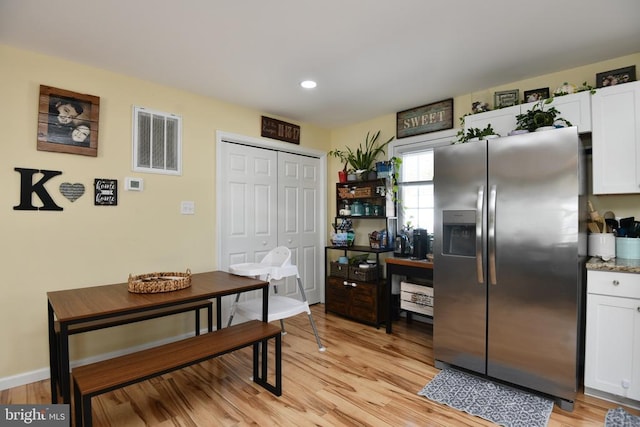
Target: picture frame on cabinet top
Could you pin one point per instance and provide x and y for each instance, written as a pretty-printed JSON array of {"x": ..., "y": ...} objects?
[
  {"x": 506, "y": 98},
  {"x": 615, "y": 77},
  {"x": 536, "y": 94}
]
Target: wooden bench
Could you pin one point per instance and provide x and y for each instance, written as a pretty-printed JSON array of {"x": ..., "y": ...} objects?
[
  {"x": 107, "y": 375},
  {"x": 109, "y": 322}
]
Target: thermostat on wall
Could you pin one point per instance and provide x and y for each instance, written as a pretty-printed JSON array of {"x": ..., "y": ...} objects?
[{"x": 133, "y": 184}]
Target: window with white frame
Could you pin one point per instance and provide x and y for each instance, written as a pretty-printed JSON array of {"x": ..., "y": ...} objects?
[
  {"x": 416, "y": 180},
  {"x": 157, "y": 142},
  {"x": 415, "y": 189}
]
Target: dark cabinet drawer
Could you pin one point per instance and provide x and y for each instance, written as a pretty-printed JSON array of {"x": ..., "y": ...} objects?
[
  {"x": 337, "y": 296},
  {"x": 358, "y": 300},
  {"x": 364, "y": 294}
]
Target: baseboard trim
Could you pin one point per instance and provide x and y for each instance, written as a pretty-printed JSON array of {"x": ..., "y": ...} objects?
[
  {"x": 635, "y": 404},
  {"x": 44, "y": 373}
]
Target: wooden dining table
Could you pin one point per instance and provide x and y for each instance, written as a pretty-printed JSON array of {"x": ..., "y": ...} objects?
[{"x": 80, "y": 305}]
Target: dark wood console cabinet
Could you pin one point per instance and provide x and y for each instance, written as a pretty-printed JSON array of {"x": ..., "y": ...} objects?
[{"x": 360, "y": 300}]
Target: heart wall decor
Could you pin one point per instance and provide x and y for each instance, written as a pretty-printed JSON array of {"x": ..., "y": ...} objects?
[{"x": 72, "y": 191}]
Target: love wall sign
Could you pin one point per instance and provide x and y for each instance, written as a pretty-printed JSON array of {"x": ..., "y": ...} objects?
[{"x": 71, "y": 191}]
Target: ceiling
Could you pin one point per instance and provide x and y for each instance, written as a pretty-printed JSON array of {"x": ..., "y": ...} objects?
[{"x": 369, "y": 57}]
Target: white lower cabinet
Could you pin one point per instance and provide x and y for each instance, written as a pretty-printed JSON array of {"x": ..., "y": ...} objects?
[{"x": 612, "y": 350}]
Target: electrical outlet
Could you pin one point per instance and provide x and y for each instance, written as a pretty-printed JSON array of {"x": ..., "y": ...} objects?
[{"x": 187, "y": 208}]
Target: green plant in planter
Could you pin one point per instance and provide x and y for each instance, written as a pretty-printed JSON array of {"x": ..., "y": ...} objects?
[
  {"x": 364, "y": 157},
  {"x": 538, "y": 117},
  {"x": 395, "y": 163},
  {"x": 341, "y": 155},
  {"x": 475, "y": 133}
]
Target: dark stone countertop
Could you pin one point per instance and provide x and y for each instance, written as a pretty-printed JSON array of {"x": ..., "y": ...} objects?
[{"x": 617, "y": 264}]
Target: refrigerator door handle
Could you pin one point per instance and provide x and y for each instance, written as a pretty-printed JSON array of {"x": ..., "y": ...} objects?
[
  {"x": 492, "y": 235},
  {"x": 479, "y": 251}
]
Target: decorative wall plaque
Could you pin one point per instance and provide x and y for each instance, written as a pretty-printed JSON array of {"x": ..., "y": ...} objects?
[
  {"x": 283, "y": 131},
  {"x": 68, "y": 122},
  {"x": 425, "y": 119},
  {"x": 72, "y": 191},
  {"x": 106, "y": 192}
]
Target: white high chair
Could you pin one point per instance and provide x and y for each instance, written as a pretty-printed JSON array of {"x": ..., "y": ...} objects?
[{"x": 275, "y": 266}]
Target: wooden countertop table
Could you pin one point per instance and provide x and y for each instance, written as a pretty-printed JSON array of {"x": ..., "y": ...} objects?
[
  {"x": 405, "y": 267},
  {"x": 81, "y": 305}
]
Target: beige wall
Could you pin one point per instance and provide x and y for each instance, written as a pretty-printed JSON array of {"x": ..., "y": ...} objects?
[
  {"x": 622, "y": 206},
  {"x": 86, "y": 245}
]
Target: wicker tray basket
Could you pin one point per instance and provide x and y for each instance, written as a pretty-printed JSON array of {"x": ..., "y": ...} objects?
[
  {"x": 152, "y": 283},
  {"x": 363, "y": 192},
  {"x": 345, "y": 193}
]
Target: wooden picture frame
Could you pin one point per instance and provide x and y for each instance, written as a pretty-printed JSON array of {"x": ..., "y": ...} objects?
[
  {"x": 68, "y": 122},
  {"x": 536, "y": 95},
  {"x": 506, "y": 98},
  {"x": 616, "y": 77},
  {"x": 425, "y": 119}
]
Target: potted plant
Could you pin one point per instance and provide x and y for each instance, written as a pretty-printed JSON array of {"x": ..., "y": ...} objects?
[
  {"x": 343, "y": 156},
  {"x": 363, "y": 159},
  {"x": 475, "y": 134},
  {"x": 538, "y": 117}
]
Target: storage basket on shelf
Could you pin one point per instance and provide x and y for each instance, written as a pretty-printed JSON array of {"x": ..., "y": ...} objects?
[
  {"x": 378, "y": 239},
  {"x": 364, "y": 274},
  {"x": 343, "y": 239},
  {"x": 152, "y": 283},
  {"x": 339, "y": 270},
  {"x": 362, "y": 192},
  {"x": 345, "y": 193}
]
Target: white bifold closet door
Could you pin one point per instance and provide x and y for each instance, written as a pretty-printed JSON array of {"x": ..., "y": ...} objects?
[{"x": 271, "y": 198}]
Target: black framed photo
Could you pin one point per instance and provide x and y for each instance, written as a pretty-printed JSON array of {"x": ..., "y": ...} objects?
[
  {"x": 68, "y": 122},
  {"x": 616, "y": 77},
  {"x": 506, "y": 98},
  {"x": 536, "y": 94}
]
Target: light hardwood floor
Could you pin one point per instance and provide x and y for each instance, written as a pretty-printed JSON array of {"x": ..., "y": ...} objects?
[{"x": 365, "y": 378}]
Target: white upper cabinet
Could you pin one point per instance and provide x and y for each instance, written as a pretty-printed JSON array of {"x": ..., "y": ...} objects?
[
  {"x": 502, "y": 120},
  {"x": 576, "y": 108},
  {"x": 616, "y": 139}
]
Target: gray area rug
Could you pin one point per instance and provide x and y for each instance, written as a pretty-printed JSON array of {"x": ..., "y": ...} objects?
[
  {"x": 485, "y": 399},
  {"x": 620, "y": 418}
]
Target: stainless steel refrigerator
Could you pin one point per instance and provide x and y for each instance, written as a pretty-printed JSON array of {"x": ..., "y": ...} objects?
[{"x": 509, "y": 254}]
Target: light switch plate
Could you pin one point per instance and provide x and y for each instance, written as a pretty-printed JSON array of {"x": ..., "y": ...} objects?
[{"x": 187, "y": 208}]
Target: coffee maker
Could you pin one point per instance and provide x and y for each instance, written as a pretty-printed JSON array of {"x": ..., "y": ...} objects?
[
  {"x": 402, "y": 246},
  {"x": 421, "y": 243}
]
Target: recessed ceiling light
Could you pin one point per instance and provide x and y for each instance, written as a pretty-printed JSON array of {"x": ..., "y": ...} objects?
[{"x": 308, "y": 84}]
